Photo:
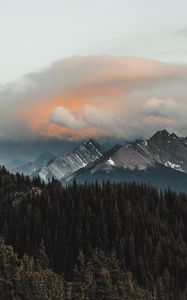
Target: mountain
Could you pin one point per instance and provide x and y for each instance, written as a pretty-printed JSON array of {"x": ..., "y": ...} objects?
[
  {"x": 32, "y": 166},
  {"x": 161, "y": 177},
  {"x": 14, "y": 164},
  {"x": 184, "y": 140},
  {"x": 44, "y": 158},
  {"x": 63, "y": 165},
  {"x": 160, "y": 161},
  {"x": 27, "y": 168},
  {"x": 169, "y": 149}
]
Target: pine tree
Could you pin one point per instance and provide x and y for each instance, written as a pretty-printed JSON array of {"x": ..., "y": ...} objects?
[{"x": 41, "y": 257}]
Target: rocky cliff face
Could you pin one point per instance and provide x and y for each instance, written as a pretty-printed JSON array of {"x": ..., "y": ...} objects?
[
  {"x": 161, "y": 158},
  {"x": 169, "y": 149},
  {"x": 63, "y": 165},
  {"x": 162, "y": 148}
]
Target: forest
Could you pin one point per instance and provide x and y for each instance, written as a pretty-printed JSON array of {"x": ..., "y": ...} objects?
[{"x": 91, "y": 241}]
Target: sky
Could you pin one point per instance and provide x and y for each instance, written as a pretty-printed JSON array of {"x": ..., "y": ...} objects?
[
  {"x": 77, "y": 69},
  {"x": 35, "y": 33}
]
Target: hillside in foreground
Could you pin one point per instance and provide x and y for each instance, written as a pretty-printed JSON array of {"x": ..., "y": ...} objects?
[{"x": 91, "y": 241}]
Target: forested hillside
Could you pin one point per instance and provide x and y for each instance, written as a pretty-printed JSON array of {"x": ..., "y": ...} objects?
[{"x": 91, "y": 241}]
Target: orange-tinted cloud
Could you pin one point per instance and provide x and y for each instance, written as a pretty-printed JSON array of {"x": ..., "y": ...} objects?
[{"x": 99, "y": 96}]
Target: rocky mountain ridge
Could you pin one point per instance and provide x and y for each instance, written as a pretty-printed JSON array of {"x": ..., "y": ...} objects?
[{"x": 163, "y": 152}]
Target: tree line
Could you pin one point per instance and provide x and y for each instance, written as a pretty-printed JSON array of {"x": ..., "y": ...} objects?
[{"x": 92, "y": 241}]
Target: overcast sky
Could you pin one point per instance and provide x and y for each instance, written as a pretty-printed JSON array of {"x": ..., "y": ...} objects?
[
  {"x": 35, "y": 33},
  {"x": 106, "y": 69}
]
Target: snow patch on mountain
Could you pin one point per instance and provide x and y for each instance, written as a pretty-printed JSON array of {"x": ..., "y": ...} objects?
[
  {"x": 174, "y": 166},
  {"x": 110, "y": 162}
]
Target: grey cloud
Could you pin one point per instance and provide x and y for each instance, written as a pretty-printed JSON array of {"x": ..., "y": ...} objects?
[
  {"x": 165, "y": 107},
  {"x": 63, "y": 117},
  {"x": 97, "y": 117},
  {"x": 124, "y": 83},
  {"x": 101, "y": 119}
]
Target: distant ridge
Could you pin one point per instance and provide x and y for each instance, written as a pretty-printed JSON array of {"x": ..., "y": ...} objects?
[{"x": 160, "y": 160}]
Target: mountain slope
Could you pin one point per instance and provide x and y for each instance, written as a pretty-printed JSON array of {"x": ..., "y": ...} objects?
[
  {"x": 63, "y": 165},
  {"x": 161, "y": 177},
  {"x": 32, "y": 166},
  {"x": 15, "y": 163},
  {"x": 170, "y": 150},
  {"x": 162, "y": 148},
  {"x": 27, "y": 168},
  {"x": 44, "y": 158},
  {"x": 160, "y": 161}
]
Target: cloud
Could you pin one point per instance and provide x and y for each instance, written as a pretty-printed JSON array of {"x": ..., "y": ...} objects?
[
  {"x": 92, "y": 117},
  {"x": 63, "y": 117},
  {"x": 97, "y": 96},
  {"x": 165, "y": 107},
  {"x": 98, "y": 118}
]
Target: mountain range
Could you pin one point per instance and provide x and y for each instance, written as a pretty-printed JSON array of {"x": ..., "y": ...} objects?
[
  {"x": 30, "y": 167},
  {"x": 160, "y": 161}
]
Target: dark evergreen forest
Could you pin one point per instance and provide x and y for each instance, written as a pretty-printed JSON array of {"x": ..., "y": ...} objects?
[{"x": 91, "y": 241}]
